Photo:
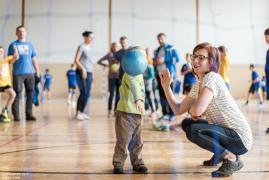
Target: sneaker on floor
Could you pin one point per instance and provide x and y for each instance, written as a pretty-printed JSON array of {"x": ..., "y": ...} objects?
[
  {"x": 80, "y": 117},
  {"x": 172, "y": 118},
  {"x": 4, "y": 116},
  {"x": 213, "y": 161},
  {"x": 16, "y": 118},
  {"x": 228, "y": 168},
  {"x": 165, "y": 127},
  {"x": 141, "y": 169},
  {"x": 30, "y": 118},
  {"x": 118, "y": 170},
  {"x": 85, "y": 116}
]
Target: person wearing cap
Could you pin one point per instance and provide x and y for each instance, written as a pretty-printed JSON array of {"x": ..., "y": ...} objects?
[{"x": 84, "y": 61}]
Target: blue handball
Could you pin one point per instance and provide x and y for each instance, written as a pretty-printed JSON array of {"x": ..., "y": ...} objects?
[{"x": 134, "y": 62}]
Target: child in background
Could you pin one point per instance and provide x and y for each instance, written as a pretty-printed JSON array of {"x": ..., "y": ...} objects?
[
  {"x": 189, "y": 77},
  {"x": 72, "y": 83},
  {"x": 224, "y": 65},
  {"x": 5, "y": 81},
  {"x": 255, "y": 85},
  {"x": 148, "y": 78},
  {"x": 128, "y": 124},
  {"x": 47, "y": 84},
  {"x": 263, "y": 86}
]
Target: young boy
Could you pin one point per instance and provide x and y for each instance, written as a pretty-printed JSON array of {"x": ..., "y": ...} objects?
[
  {"x": 47, "y": 84},
  {"x": 255, "y": 85},
  {"x": 5, "y": 81},
  {"x": 72, "y": 83},
  {"x": 130, "y": 109}
]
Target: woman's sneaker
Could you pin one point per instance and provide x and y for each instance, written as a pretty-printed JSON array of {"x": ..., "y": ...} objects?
[
  {"x": 228, "y": 168},
  {"x": 215, "y": 161},
  {"x": 80, "y": 117},
  {"x": 85, "y": 116}
]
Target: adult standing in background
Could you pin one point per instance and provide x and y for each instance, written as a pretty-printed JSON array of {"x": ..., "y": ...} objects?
[
  {"x": 113, "y": 75},
  {"x": 119, "y": 55},
  {"x": 266, "y": 33},
  {"x": 224, "y": 65},
  {"x": 84, "y": 62},
  {"x": 24, "y": 70},
  {"x": 165, "y": 56}
]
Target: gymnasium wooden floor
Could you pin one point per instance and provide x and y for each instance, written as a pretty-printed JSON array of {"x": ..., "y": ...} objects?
[{"x": 58, "y": 147}]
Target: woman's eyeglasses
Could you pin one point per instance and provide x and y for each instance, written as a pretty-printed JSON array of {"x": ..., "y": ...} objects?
[{"x": 200, "y": 58}]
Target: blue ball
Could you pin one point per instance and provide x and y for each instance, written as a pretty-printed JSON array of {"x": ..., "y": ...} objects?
[{"x": 134, "y": 62}]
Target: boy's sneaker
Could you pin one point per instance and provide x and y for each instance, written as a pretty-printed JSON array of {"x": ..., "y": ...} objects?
[
  {"x": 228, "y": 168},
  {"x": 141, "y": 169},
  {"x": 118, "y": 170}
]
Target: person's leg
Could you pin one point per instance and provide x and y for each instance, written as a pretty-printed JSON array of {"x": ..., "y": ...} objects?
[
  {"x": 154, "y": 91},
  {"x": 49, "y": 93},
  {"x": 170, "y": 111},
  {"x": 214, "y": 138},
  {"x": 250, "y": 93},
  {"x": 88, "y": 84},
  {"x": 267, "y": 84},
  {"x": 117, "y": 89},
  {"x": 136, "y": 144},
  {"x": 124, "y": 128},
  {"x": 69, "y": 97},
  {"x": 81, "y": 86},
  {"x": 259, "y": 93},
  {"x": 17, "y": 85},
  {"x": 162, "y": 97},
  {"x": 11, "y": 96},
  {"x": 111, "y": 88},
  {"x": 29, "y": 83},
  {"x": 148, "y": 96}
]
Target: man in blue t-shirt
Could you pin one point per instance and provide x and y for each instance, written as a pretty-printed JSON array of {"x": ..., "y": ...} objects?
[
  {"x": 72, "y": 82},
  {"x": 24, "y": 70}
]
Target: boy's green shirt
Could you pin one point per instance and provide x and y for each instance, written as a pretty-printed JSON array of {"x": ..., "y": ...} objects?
[{"x": 132, "y": 89}]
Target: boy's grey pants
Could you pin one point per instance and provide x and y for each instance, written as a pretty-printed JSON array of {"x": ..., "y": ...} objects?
[{"x": 128, "y": 133}]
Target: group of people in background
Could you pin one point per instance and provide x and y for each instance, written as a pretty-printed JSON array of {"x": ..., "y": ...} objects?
[
  {"x": 26, "y": 72},
  {"x": 214, "y": 121}
]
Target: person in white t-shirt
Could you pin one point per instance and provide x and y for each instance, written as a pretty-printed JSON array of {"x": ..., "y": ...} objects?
[{"x": 216, "y": 122}]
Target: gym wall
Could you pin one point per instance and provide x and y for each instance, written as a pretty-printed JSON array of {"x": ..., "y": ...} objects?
[{"x": 55, "y": 27}]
